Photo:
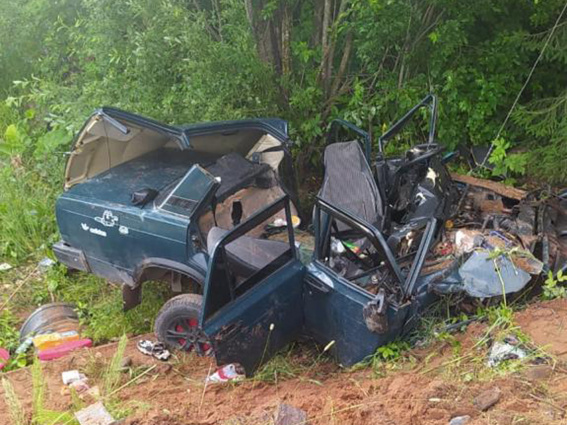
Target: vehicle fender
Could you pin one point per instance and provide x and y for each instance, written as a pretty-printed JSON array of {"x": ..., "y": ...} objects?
[
  {"x": 132, "y": 294},
  {"x": 195, "y": 271}
]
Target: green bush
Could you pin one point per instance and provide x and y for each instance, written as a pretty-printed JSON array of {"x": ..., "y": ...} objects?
[
  {"x": 216, "y": 59},
  {"x": 27, "y": 222}
]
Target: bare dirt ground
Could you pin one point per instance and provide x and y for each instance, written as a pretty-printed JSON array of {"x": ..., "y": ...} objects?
[{"x": 429, "y": 386}]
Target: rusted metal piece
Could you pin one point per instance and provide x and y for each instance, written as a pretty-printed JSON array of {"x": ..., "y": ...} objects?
[
  {"x": 374, "y": 313},
  {"x": 488, "y": 202},
  {"x": 501, "y": 189}
]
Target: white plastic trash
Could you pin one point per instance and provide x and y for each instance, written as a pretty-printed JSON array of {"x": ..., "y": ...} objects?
[
  {"x": 228, "y": 373},
  {"x": 4, "y": 267},
  {"x": 70, "y": 376},
  {"x": 501, "y": 351}
]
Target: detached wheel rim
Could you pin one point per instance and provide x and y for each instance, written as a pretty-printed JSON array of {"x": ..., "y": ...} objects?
[{"x": 184, "y": 333}]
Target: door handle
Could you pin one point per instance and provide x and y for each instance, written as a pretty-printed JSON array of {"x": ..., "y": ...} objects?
[{"x": 317, "y": 284}]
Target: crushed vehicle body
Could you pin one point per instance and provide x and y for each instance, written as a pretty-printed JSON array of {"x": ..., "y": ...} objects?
[
  {"x": 136, "y": 193},
  {"x": 211, "y": 209}
]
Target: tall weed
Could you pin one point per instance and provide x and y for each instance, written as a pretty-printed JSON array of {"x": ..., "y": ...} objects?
[
  {"x": 27, "y": 222},
  {"x": 114, "y": 371},
  {"x": 15, "y": 409}
]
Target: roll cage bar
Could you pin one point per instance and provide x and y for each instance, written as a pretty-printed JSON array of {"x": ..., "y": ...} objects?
[
  {"x": 407, "y": 283},
  {"x": 430, "y": 102}
]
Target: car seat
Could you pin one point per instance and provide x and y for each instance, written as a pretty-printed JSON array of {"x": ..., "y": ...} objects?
[
  {"x": 247, "y": 255},
  {"x": 349, "y": 183}
]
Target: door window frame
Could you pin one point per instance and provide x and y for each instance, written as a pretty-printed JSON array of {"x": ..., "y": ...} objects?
[
  {"x": 322, "y": 229},
  {"x": 219, "y": 253}
]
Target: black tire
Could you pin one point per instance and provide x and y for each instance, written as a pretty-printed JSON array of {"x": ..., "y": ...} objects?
[{"x": 177, "y": 325}]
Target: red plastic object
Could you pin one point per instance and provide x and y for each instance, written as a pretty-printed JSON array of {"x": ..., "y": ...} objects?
[
  {"x": 4, "y": 355},
  {"x": 63, "y": 349}
]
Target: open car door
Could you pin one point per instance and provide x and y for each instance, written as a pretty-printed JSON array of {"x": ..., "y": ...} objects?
[
  {"x": 253, "y": 290},
  {"x": 357, "y": 297}
]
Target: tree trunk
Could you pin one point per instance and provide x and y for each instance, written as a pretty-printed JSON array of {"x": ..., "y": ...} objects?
[{"x": 286, "y": 40}]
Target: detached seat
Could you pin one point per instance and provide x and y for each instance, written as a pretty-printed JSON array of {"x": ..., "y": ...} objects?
[{"x": 247, "y": 255}]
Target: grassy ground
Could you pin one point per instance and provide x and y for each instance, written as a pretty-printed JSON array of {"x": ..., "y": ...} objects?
[
  {"x": 27, "y": 230},
  {"x": 98, "y": 302},
  {"x": 440, "y": 378}
]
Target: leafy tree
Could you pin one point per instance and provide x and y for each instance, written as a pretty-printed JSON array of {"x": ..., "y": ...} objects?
[{"x": 309, "y": 61}]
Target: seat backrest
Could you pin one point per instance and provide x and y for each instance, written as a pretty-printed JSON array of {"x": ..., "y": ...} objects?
[
  {"x": 246, "y": 255},
  {"x": 349, "y": 183}
]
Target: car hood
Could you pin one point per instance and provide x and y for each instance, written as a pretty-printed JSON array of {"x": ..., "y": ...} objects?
[{"x": 111, "y": 137}]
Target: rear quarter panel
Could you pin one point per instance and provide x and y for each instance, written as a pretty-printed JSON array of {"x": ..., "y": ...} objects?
[{"x": 116, "y": 239}]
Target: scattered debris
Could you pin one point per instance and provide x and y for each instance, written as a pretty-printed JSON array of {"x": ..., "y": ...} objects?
[
  {"x": 53, "y": 329},
  {"x": 460, "y": 420},
  {"x": 50, "y": 318},
  {"x": 5, "y": 267},
  {"x": 24, "y": 346},
  {"x": 484, "y": 277},
  {"x": 45, "y": 264},
  {"x": 539, "y": 372},
  {"x": 487, "y": 399},
  {"x": 156, "y": 349},
  {"x": 280, "y": 222},
  {"x": 499, "y": 188},
  {"x": 80, "y": 386},
  {"x": 289, "y": 415},
  {"x": 229, "y": 373},
  {"x": 466, "y": 240},
  {"x": 63, "y": 349},
  {"x": 54, "y": 339},
  {"x": 4, "y": 357},
  {"x": 501, "y": 351},
  {"x": 95, "y": 414},
  {"x": 70, "y": 376}
]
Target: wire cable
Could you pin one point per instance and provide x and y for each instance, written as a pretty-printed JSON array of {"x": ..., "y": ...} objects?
[{"x": 525, "y": 84}]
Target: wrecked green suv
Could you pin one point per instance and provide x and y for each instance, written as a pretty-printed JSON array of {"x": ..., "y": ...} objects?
[
  {"x": 141, "y": 196},
  {"x": 210, "y": 208}
]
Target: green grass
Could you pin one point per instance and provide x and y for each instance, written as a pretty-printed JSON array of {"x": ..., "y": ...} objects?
[
  {"x": 27, "y": 219},
  {"x": 282, "y": 366},
  {"x": 99, "y": 303},
  {"x": 28, "y": 190},
  {"x": 114, "y": 370}
]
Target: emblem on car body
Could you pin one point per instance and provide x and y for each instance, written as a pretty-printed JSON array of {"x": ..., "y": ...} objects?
[{"x": 107, "y": 219}]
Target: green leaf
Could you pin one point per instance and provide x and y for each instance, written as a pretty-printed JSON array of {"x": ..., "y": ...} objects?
[
  {"x": 12, "y": 135},
  {"x": 30, "y": 114}
]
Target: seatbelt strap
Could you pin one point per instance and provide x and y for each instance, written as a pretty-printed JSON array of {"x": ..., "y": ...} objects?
[{"x": 214, "y": 209}]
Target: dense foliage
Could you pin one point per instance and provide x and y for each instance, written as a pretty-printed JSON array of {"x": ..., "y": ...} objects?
[{"x": 307, "y": 61}]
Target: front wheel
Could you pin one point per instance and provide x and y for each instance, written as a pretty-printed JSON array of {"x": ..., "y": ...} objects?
[{"x": 177, "y": 325}]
